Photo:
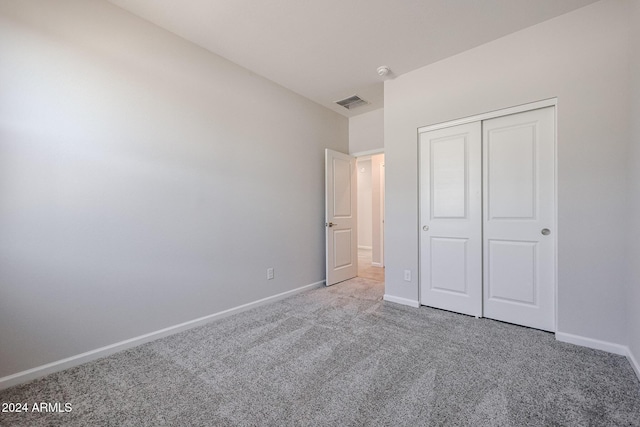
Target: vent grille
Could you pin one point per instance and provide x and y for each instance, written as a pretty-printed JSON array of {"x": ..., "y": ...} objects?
[{"x": 352, "y": 102}]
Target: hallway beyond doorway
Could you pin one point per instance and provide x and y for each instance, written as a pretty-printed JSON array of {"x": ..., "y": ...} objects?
[{"x": 365, "y": 269}]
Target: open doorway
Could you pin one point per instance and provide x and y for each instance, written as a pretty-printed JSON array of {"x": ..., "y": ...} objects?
[{"x": 370, "y": 171}]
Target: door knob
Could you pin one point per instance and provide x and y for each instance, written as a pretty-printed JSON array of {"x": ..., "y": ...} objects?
[
  {"x": 425, "y": 228},
  {"x": 330, "y": 224},
  {"x": 545, "y": 231}
]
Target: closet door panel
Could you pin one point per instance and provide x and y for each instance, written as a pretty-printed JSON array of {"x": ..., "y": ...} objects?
[
  {"x": 451, "y": 219},
  {"x": 519, "y": 218}
]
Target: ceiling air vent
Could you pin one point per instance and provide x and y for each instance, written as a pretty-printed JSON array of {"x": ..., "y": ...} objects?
[{"x": 352, "y": 102}]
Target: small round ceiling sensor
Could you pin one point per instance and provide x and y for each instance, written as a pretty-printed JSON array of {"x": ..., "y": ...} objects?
[{"x": 383, "y": 70}]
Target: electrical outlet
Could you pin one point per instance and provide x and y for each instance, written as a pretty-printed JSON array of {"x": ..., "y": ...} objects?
[
  {"x": 270, "y": 273},
  {"x": 407, "y": 275}
]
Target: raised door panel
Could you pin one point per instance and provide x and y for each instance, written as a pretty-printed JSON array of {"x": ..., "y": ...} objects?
[
  {"x": 342, "y": 249},
  {"x": 512, "y": 262},
  {"x": 448, "y": 266},
  {"x": 448, "y": 165},
  {"x": 342, "y": 195},
  {"x": 511, "y": 181}
]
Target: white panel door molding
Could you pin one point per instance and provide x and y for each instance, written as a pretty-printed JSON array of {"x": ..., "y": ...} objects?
[
  {"x": 341, "y": 217},
  {"x": 519, "y": 218},
  {"x": 451, "y": 219}
]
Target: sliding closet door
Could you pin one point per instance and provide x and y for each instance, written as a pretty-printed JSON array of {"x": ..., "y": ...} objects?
[
  {"x": 519, "y": 206},
  {"x": 451, "y": 219}
]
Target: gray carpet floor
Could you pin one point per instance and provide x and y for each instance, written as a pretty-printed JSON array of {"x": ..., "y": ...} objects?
[{"x": 340, "y": 356}]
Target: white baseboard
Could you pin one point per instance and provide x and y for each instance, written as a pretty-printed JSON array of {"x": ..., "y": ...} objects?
[
  {"x": 620, "y": 349},
  {"x": 634, "y": 362},
  {"x": 403, "y": 301},
  {"x": 79, "y": 359},
  {"x": 592, "y": 343}
]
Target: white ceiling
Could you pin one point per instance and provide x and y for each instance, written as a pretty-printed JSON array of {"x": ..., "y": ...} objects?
[{"x": 327, "y": 50}]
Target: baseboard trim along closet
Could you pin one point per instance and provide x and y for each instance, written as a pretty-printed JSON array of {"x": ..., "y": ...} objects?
[
  {"x": 620, "y": 349},
  {"x": 403, "y": 301},
  {"x": 592, "y": 343},
  {"x": 634, "y": 362},
  {"x": 79, "y": 359}
]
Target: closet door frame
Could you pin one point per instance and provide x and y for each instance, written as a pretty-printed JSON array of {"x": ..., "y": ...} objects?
[{"x": 551, "y": 102}]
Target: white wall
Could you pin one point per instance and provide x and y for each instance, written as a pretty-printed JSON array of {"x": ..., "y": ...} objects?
[
  {"x": 377, "y": 216},
  {"x": 144, "y": 182},
  {"x": 365, "y": 203},
  {"x": 366, "y": 132},
  {"x": 582, "y": 59},
  {"x": 633, "y": 301}
]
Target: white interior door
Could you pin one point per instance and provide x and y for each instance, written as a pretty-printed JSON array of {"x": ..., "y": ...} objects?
[
  {"x": 341, "y": 217},
  {"x": 451, "y": 219},
  {"x": 519, "y": 213}
]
